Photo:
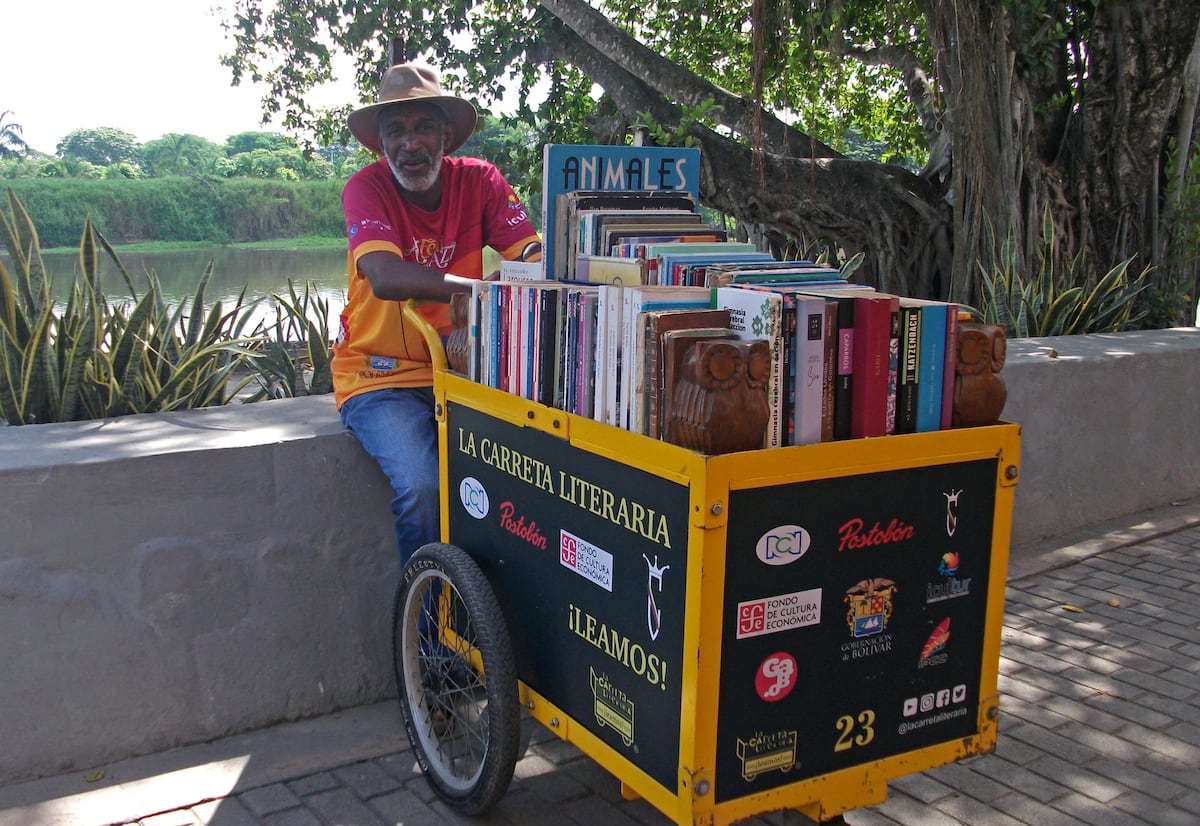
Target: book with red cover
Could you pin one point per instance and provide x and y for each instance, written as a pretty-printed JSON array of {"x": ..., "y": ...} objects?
[
  {"x": 872, "y": 354},
  {"x": 951, "y": 368}
]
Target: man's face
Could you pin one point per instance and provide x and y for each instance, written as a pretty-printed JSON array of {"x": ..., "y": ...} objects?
[{"x": 413, "y": 136}]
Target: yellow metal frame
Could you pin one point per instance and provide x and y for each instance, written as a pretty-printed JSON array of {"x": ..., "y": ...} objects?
[{"x": 710, "y": 481}]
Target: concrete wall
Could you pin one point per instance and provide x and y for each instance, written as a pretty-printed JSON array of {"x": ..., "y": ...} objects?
[
  {"x": 1110, "y": 425},
  {"x": 176, "y": 578}
]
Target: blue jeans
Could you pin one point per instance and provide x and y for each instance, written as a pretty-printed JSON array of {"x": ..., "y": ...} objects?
[{"x": 397, "y": 427}]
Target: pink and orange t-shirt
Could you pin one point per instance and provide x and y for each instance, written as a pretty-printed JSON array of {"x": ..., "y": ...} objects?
[{"x": 375, "y": 347}]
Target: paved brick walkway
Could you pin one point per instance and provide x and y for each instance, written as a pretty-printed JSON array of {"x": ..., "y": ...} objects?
[{"x": 1100, "y": 725}]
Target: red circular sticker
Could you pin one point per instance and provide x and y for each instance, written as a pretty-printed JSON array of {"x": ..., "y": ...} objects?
[{"x": 776, "y": 676}]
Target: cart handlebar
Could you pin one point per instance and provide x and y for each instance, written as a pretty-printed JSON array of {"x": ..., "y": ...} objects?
[{"x": 437, "y": 348}]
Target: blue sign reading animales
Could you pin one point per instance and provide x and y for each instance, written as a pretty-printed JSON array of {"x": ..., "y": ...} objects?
[{"x": 645, "y": 169}]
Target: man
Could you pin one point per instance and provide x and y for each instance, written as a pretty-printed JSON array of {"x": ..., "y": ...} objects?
[{"x": 417, "y": 222}]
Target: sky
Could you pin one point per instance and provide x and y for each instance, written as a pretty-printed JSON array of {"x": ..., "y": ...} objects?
[{"x": 147, "y": 67}]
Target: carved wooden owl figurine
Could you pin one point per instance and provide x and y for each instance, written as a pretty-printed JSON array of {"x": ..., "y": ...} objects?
[
  {"x": 979, "y": 391},
  {"x": 719, "y": 404},
  {"x": 456, "y": 344}
]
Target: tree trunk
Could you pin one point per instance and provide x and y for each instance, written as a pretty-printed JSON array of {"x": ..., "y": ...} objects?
[
  {"x": 895, "y": 218},
  {"x": 1137, "y": 58},
  {"x": 1025, "y": 139},
  {"x": 1094, "y": 165}
]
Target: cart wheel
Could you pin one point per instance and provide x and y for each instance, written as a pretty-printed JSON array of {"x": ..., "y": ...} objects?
[{"x": 456, "y": 678}]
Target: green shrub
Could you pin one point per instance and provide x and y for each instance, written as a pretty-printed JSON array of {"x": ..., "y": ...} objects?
[
  {"x": 90, "y": 359},
  {"x": 294, "y": 351},
  {"x": 1054, "y": 302}
]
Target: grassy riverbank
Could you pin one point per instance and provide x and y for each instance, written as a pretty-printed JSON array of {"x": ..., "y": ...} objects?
[
  {"x": 180, "y": 210},
  {"x": 308, "y": 242}
]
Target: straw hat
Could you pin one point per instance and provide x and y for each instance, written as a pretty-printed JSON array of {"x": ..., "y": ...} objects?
[{"x": 412, "y": 82}]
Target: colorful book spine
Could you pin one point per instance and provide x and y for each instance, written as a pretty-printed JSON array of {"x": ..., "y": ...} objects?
[
  {"x": 950, "y": 362},
  {"x": 787, "y": 410},
  {"x": 754, "y": 315},
  {"x": 932, "y": 365},
  {"x": 610, "y": 365},
  {"x": 843, "y": 391},
  {"x": 908, "y": 391},
  {"x": 589, "y": 312},
  {"x": 830, "y": 375},
  {"x": 893, "y": 383},
  {"x": 810, "y": 369},
  {"x": 872, "y": 353}
]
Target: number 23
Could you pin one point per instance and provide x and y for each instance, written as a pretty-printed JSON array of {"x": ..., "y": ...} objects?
[{"x": 851, "y": 735}]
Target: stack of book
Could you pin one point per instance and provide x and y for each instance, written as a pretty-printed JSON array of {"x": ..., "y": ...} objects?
[
  {"x": 633, "y": 276},
  {"x": 853, "y": 362}
]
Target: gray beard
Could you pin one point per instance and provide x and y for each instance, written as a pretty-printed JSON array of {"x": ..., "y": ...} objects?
[{"x": 418, "y": 183}]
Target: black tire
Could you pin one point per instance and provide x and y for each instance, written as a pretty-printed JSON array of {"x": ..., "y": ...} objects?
[{"x": 464, "y": 725}]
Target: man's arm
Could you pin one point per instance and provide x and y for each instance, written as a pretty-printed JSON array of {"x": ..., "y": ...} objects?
[{"x": 394, "y": 279}]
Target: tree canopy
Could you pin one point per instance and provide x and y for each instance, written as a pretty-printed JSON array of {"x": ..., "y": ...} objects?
[
  {"x": 1004, "y": 123},
  {"x": 108, "y": 153},
  {"x": 102, "y": 146},
  {"x": 12, "y": 145},
  {"x": 180, "y": 154}
]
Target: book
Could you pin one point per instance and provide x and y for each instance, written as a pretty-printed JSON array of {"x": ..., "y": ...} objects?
[
  {"x": 608, "y": 353},
  {"x": 473, "y": 339},
  {"x": 658, "y": 324},
  {"x": 586, "y": 374},
  {"x": 605, "y": 227},
  {"x": 755, "y": 314},
  {"x": 893, "y": 376},
  {"x": 781, "y": 272},
  {"x": 907, "y": 391},
  {"x": 935, "y": 318},
  {"x": 950, "y": 367},
  {"x": 503, "y": 324},
  {"x": 872, "y": 353},
  {"x": 718, "y": 250},
  {"x": 522, "y": 271},
  {"x": 843, "y": 377},
  {"x": 524, "y": 318},
  {"x": 570, "y": 205},
  {"x": 584, "y": 231},
  {"x": 830, "y": 375},
  {"x": 689, "y": 268},
  {"x": 810, "y": 369},
  {"x": 610, "y": 269},
  {"x": 628, "y": 240},
  {"x": 665, "y": 172},
  {"x": 550, "y": 298},
  {"x": 803, "y": 352},
  {"x": 635, "y": 302}
]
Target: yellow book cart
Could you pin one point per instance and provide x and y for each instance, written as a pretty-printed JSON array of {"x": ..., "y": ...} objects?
[{"x": 727, "y": 635}]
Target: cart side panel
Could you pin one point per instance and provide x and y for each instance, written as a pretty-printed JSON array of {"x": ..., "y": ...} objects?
[
  {"x": 853, "y": 621},
  {"x": 588, "y": 558}
]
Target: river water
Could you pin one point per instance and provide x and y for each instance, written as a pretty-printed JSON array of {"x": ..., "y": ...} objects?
[{"x": 261, "y": 272}]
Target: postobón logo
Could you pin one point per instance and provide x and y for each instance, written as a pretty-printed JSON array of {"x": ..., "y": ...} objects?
[
  {"x": 473, "y": 496},
  {"x": 782, "y": 545}
]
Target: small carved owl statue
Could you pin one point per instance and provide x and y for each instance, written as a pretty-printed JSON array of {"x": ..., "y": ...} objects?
[
  {"x": 719, "y": 404},
  {"x": 979, "y": 391}
]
